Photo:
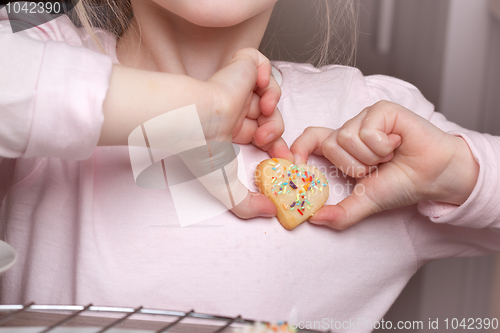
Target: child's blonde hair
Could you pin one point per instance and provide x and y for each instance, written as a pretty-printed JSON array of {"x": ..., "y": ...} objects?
[{"x": 336, "y": 28}]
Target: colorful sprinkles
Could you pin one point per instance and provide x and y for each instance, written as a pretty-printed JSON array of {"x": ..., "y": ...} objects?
[
  {"x": 258, "y": 327},
  {"x": 298, "y": 179}
]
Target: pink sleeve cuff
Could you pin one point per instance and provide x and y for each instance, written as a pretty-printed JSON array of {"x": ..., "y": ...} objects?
[
  {"x": 435, "y": 209},
  {"x": 68, "y": 112},
  {"x": 482, "y": 209}
]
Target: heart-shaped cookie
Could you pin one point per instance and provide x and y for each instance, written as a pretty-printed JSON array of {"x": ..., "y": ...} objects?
[{"x": 297, "y": 191}]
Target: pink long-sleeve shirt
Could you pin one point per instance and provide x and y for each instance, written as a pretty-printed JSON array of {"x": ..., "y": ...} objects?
[{"x": 86, "y": 233}]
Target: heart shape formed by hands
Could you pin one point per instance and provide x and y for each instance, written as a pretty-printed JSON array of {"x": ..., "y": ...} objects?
[{"x": 297, "y": 191}]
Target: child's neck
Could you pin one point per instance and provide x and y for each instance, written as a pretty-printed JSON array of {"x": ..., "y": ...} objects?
[{"x": 159, "y": 40}]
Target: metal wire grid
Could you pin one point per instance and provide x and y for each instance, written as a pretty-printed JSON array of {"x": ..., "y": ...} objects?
[{"x": 127, "y": 312}]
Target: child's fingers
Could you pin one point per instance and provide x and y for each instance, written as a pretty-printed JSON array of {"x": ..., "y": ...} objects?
[
  {"x": 263, "y": 68},
  {"x": 339, "y": 157},
  {"x": 241, "y": 72},
  {"x": 215, "y": 166},
  {"x": 348, "y": 212},
  {"x": 268, "y": 136},
  {"x": 242, "y": 202},
  {"x": 228, "y": 188},
  {"x": 269, "y": 97},
  {"x": 255, "y": 205},
  {"x": 270, "y": 129},
  {"x": 279, "y": 149},
  {"x": 323, "y": 141},
  {"x": 246, "y": 132},
  {"x": 309, "y": 142},
  {"x": 379, "y": 142},
  {"x": 254, "y": 108},
  {"x": 348, "y": 137},
  {"x": 376, "y": 129}
]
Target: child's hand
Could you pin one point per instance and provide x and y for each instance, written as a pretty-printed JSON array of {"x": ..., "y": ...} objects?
[
  {"x": 246, "y": 98},
  {"x": 244, "y": 111},
  {"x": 410, "y": 160},
  {"x": 237, "y": 104}
]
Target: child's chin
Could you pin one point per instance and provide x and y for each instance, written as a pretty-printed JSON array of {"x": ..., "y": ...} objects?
[
  {"x": 216, "y": 19},
  {"x": 217, "y": 13},
  {"x": 208, "y": 22}
]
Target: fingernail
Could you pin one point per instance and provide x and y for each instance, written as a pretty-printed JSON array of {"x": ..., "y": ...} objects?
[
  {"x": 267, "y": 215},
  {"x": 399, "y": 144},
  {"x": 318, "y": 222},
  {"x": 298, "y": 159},
  {"x": 270, "y": 137}
]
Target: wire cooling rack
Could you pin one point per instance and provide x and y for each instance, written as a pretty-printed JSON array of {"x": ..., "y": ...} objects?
[{"x": 52, "y": 317}]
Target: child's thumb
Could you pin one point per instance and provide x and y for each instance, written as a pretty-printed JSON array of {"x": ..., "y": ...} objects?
[
  {"x": 254, "y": 205},
  {"x": 348, "y": 212}
]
